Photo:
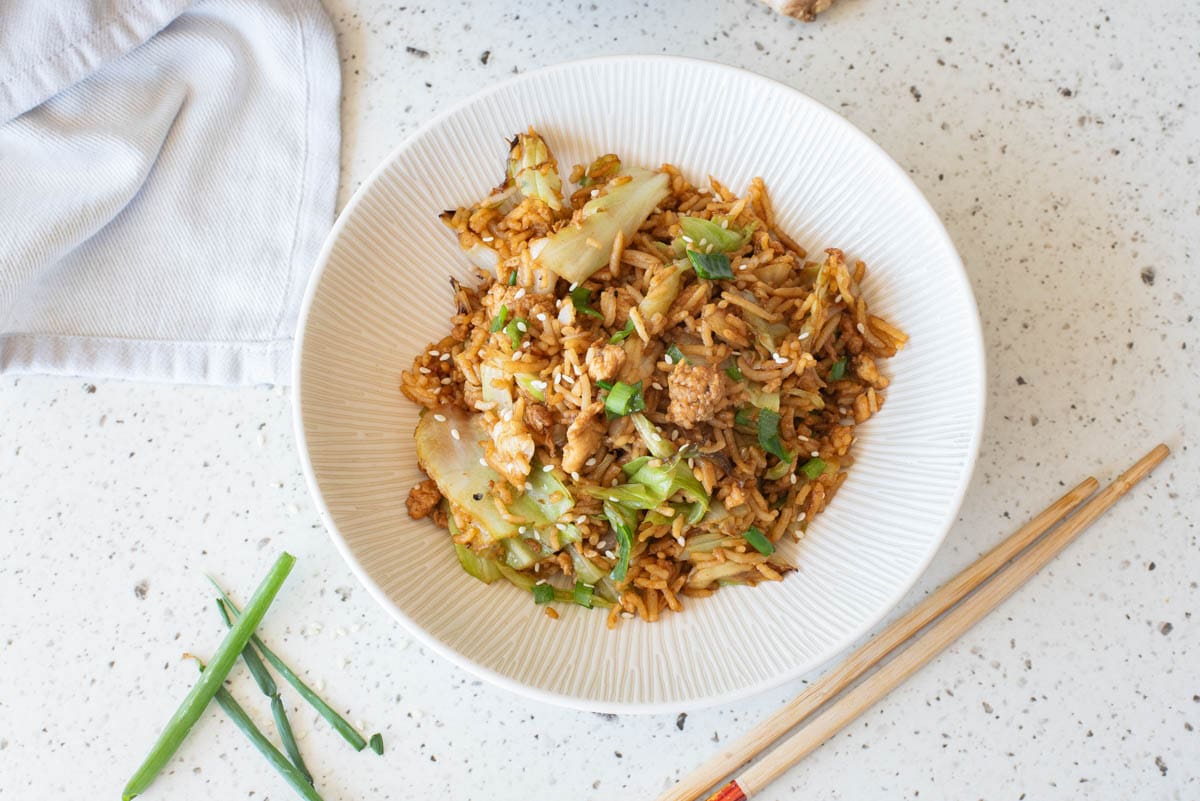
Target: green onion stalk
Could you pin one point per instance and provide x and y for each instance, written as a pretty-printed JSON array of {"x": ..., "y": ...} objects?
[{"x": 210, "y": 682}]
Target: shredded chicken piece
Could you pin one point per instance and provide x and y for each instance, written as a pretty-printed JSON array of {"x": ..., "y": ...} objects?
[
  {"x": 865, "y": 366},
  {"x": 539, "y": 417},
  {"x": 423, "y": 499},
  {"x": 841, "y": 438},
  {"x": 583, "y": 437},
  {"x": 697, "y": 394},
  {"x": 605, "y": 363},
  {"x": 510, "y": 450}
]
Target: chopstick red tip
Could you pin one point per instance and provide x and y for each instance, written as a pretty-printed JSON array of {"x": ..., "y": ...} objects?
[{"x": 730, "y": 792}]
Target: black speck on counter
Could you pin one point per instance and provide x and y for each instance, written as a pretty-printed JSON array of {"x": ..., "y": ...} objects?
[
  {"x": 1020, "y": 381},
  {"x": 679, "y": 721},
  {"x": 1166, "y": 628},
  {"x": 915, "y": 93},
  {"x": 343, "y": 593},
  {"x": 1151, "y": 566},
  {"x": 485, "y": 57},
  {"x": 89, "y": 389},
  {"x": 618, "y": 755},
  {"x": 140, "y": 589},
  {"x": 1065, "y": 92},
  {"x": 1148, "y": 276},
  {"x": 1162, "y": 766},
  {"x": 416, "y": 51}
]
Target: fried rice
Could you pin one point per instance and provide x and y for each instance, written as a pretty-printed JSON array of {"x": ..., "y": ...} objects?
[{"x": 650, "y": 386}]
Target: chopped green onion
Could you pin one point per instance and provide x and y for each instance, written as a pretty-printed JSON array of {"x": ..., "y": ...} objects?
[
  {"x": 624, "y": 399},
  {"x": 838, "y": 371},
  {"x": 621, "y": 335},
  {"x": 674, "y": 355},
  {"x": 211, "y": 680},
  {"x": 512, "y": 278},
  {"x": 734, "y": 373},
  {"x": 778, "y": 470},
  {"x": 516, "y": 328},
  {"x": 581, "y": 299},
  {"x": 743, "y": 416},
  {"x": 768, "y": 434},
  {"x": 711, "y": 266},
  {"x": 376, "y": 743},
  {"x": 583, "y": 594},
  {"x": 543, "y": 593},
  {"x": 813, "y": 468},
  {"x": 604, "y": 384},
  {"x": 499, "y": 320},
  {"x": 759, "y": 542}
]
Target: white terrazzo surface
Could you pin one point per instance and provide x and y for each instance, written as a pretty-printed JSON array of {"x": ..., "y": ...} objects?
[{"x": 1059, "y": 142}]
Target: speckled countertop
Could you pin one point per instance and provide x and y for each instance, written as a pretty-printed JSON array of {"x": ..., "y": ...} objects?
[{"x": 1059, "y": 145}]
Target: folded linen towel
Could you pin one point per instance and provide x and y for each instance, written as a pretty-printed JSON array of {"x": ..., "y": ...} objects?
[{"x": 168, "y": 170}]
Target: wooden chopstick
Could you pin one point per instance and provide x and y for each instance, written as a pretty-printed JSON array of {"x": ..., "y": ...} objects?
[
  {"x": 919, "y": 652},
  {"x": 869, "y": 653}
]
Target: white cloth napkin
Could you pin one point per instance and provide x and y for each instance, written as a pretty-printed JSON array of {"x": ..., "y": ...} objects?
[{"x": 168, "y": 170}]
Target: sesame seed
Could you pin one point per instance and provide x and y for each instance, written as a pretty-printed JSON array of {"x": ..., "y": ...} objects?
[
  {"x": 793, "y": 478},
  {"x": 595, "y": 193},
  {"x": 575, "y": 476},
  {"x": 614, "y": 500},
  {"x": 682, "y": 542},
  {"x": 520, "y": 294},
  {"x": 815, "y": 454},
  {"x": 541, "y": 317},
  {"x": 522, "y": 327},
  {"x": 656, "y": 385},
  {"x": 688, "y": 239},
  {"x": 860, "y": 328},
  {"x": 538, "y": 384},
  {"x": 522, "y": 530},
  {"x": 547, "y": 468},
  {"x": 708, "y": 249},
  {"x": 610, "y": 554},
  {"x": 800, "y": 517},
  {"x": 592, "y": 243},
  {"x": 667, "y": 358},
  {"x": 703, "y": 241},
  {"x": 441, "y": 418},
  {"x": 561, "y": 526},
  {"x": 627, "y": 615},
  {"x": 574, "y": 285},
  {"x": 445, "y": 357},
  {"x": 454, "y": 433},
  {"x": 482, "y": 462},
  {"x": 424, "y": 370},
  {"x": 528, "y": 487},
  {"x": 591, "y": 462},
  {"x": 434, "y": 353},
  {"x": 804, "y": 336},
  {"x": 725, "y": 224},
  {"x": 487, "y": 238},
  {"x": 446, "y": 380},
  {"x": 541, "y": 581},
  {"x": 537, "y": 567}
]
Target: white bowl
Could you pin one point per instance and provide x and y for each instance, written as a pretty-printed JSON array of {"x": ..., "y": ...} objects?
[{"x": 380, "y": 292}]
